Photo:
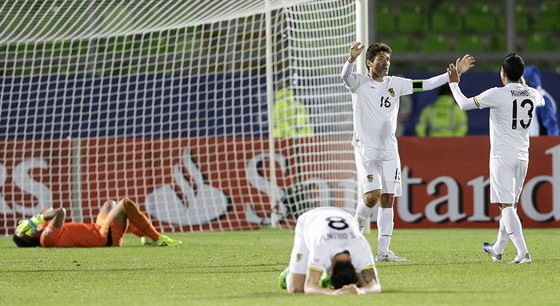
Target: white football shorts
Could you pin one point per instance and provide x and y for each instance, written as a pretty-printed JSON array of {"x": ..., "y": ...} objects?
[
  {"x": 379, "y": 169},
  {"x": 300, "y": 251},
  {"x": 507, "y": 176}
]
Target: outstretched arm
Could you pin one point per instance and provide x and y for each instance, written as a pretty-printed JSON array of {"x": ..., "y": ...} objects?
[
  {"x": 463, "y": 65},
  {"x": 463, "y": 102}
]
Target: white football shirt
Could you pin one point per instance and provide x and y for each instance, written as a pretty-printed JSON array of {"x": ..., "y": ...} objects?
[
  {"x": 328, "y": 231},
  {"x": 376, "y": 106},
  {"x": 512, "y": 108}
]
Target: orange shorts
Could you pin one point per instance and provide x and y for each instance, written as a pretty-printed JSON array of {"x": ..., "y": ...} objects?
[{"x": 111, "y": 230}]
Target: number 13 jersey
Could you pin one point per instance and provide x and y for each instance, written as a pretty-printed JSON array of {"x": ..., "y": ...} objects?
[{"x": 512, "y": 107}]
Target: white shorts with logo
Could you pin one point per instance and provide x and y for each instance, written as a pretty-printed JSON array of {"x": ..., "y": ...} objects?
[
  {"x": 300, "y": 251},
  {"x": 507, "y": 176},
  {"x": 378, "y": 169}
]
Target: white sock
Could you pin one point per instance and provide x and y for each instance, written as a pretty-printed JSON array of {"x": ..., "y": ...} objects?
[
  {"x": 514, "y": 230},
  {"x": 384, "y": 229},
  {"x": 362, "y": 214},
  {"x": 501, "y": 240}
]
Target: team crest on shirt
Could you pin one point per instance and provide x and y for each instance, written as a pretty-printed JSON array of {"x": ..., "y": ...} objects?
[
  {"x": 369, "y": 177},
  {"x": 391, "y": 92},
  {"x": 299, "y": 256}
]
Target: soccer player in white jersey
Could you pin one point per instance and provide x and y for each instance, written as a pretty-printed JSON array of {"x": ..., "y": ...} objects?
[
  {"x": 512, "y": 107},
  {"x": 375, "y": 101},
  {"x": 328, "y": 241}
]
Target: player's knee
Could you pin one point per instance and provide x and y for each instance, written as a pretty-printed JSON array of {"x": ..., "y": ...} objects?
[
  {"x": 110, "y": 204},
  {"x": 127, "y": 204},
  {"x": 371, "y": 198},
  {"x": 386, "y": 200}
]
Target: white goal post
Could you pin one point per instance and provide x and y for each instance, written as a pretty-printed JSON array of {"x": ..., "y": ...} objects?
[{"x": 212, "y": 115}]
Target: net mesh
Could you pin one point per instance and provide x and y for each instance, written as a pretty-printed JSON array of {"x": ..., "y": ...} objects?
[{"x": 168, "y": 103}]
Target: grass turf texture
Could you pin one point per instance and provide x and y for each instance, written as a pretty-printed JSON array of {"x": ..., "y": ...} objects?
[{"x": 444, "y": 267}]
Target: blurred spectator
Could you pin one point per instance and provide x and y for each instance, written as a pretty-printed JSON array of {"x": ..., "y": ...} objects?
[
  {"x": 443, "y": 117},
  {"x": 290, "y": 116},
  {"x": 545, "y": 122}
]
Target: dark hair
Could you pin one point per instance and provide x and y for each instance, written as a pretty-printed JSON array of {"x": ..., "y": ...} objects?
[
  {"x": 513, "y": 66},
  {"x": 343, "y": 273},
  {"x": 375, "y": 49},
  {"x": 25, "y": 241}
]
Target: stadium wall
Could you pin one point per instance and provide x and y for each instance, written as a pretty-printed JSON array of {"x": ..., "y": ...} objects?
[{"x": 445, "y": 180}]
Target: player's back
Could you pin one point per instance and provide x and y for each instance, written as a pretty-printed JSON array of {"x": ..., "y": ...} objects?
[
  {"x": 329, "y": 231},
  {"x": 512, "y": 108}
]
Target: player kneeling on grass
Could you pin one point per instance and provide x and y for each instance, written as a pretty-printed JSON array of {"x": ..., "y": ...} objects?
[
  {"x": 330, "y": 256},
  {"x": 48, "y": 229}
]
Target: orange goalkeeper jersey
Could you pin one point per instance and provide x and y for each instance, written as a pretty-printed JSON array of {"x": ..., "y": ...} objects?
[{"x": 73, "y": 234}]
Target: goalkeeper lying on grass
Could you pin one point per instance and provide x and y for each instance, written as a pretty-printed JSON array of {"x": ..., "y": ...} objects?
[
  {"x": 48, "y": 229},
  {"x": 330, "y": 256}
]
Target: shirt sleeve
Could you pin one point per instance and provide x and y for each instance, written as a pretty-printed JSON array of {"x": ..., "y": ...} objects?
[
  {"x": 463, "y": 102},
  {"x": 350, "y": 79},
  {"x": 435, "y": 82}
]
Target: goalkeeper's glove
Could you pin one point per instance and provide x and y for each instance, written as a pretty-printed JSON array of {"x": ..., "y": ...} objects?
[{"x": 29, "y": 225}]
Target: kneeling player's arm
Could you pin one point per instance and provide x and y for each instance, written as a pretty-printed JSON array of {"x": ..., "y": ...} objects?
[
  {"x": 463, "y": 102},
  {"x": 311, "y": 285},
  {"x": 371, "y": 280}
]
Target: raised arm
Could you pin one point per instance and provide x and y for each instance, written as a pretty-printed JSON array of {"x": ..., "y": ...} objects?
[
  {"x": 463, "y": 65},
  {"x": 454, "y": 78},
  {"x": 356, "y": 49}
]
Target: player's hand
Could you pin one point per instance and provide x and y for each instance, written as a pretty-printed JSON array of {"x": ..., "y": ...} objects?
[
  {"x": 453, "y": 74},
  {"x": 464, "y": 64},
  {"x": 347, "y": 290},
  {"x": 355, "y": 50},
  {"x": 25, "y": 227}
]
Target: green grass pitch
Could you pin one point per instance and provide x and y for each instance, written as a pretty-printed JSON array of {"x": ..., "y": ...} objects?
[{"x": 444, "y": 267}]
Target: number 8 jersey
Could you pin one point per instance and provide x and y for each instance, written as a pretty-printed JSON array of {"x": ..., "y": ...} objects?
[
  {"x": 512, "y": 107},
  {"x": 323, "y": 232}
]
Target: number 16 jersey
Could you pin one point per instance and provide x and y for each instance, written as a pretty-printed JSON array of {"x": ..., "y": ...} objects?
[{"x": 376, "y": 107}]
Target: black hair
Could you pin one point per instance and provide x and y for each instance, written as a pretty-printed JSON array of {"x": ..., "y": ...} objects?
[
  {"x": 513, "y": 66},
  {"x": 343, "y": 273},
  {"x": 375, "y": 49},
  {"x": 25, "y": 241}
]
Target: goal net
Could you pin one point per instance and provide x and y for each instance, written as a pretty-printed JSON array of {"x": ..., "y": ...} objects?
[{"x": 212, "y": 115}]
